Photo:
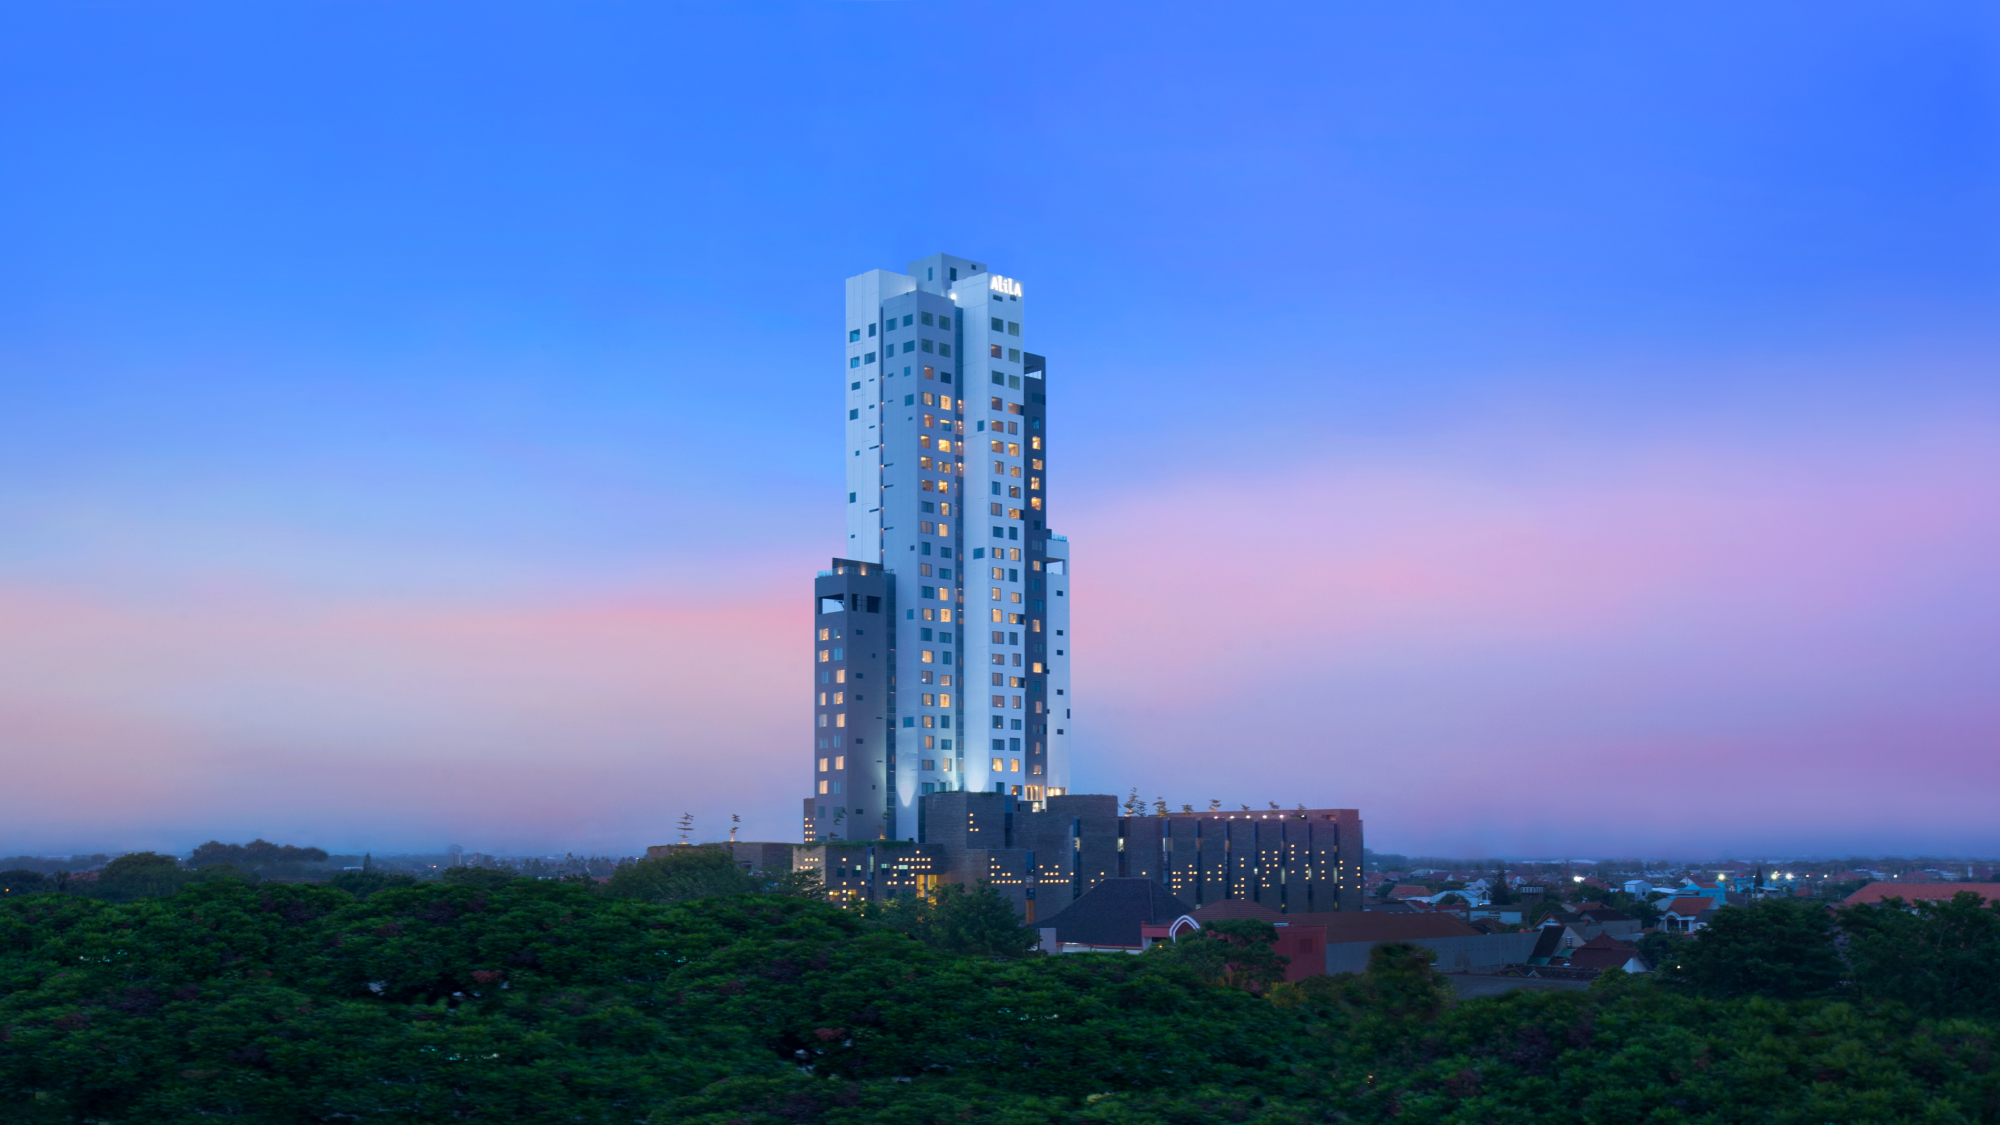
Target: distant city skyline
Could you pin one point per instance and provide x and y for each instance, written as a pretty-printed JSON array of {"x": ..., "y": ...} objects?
[{"x": 1561, "y": 431}]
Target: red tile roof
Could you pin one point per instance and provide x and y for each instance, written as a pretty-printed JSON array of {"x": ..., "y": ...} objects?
[
  {"x": 1688, "y": 907},
  {"x": 1920, "y": 892}
]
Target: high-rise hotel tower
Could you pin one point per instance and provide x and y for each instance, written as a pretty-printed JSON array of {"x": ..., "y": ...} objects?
[{"x": 941, "y": 634}]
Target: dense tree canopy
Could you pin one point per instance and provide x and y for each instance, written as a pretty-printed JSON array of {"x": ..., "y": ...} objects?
[{"x": 529, "y": 1001}]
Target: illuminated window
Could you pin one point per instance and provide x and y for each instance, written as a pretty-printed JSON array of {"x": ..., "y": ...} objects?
[
  {"x": 997, "y": 616},
  {"x": 945, "y": 700},
  {"x": 924, "y": 441},
  {"x": 822, "y": 788},
  {"x": 840, "y": 763},
  {"x": 1034, "y": 484},
  {"x": 1035, "y": 502},
  {"x": 944, "y": 401},
  {"x": 1013, "y": 492},
  {"x": 1013, "y": 765},
  {"x": 1014, "y": 450},
  {"x": 996, "y": 350},
  {"x": 822, "y": 699},
  {"x": 999, "y": 658},
  {"x": 928, "y": 656},
  {"x": 923, "y": 462},
  {"x": 839, "y": 698},
  {"x": 924, "y": 676},
  {"x": 840, "y": 720},
  {"x": 930, "y": 399},
  {"x": 822, "y": 765},
  {"x": 823, "y": 652},
  {"x": 997, "y": 763},
  {"x": 825, "y": 634},
  {"x": 930, "y": 742},
  {"x": 930, "y": 763},
  {"x": 1035, "y": 443},
  {"x": 928, "y": 721},
  {"x": 943, "y": 447},
  {"x": 1015, "y": 597}
]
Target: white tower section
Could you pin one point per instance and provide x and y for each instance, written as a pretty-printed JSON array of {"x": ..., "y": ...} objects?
[{"x": 947, "y": 452}]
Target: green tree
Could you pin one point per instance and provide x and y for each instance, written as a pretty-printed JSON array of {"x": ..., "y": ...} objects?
[
  {"x": 23, "y": 882},
  {"x": 140, "y": 875},
  {"x": 953, "y": 920},
  {"x": 478, "y": 876},
  {"x": 1777, "y": 948},
  {"x": 1234, "y": 952},
  {"x": 1942, "y": 959},
  {"x": 683, "y": 874},
  {"x": 361, "y": 884}
]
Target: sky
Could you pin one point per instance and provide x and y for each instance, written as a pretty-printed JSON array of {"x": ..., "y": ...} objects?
[{"x": 1555, "y": 431}]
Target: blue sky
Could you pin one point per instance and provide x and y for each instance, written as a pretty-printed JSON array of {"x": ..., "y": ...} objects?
[{"x": 326, "y": 329}]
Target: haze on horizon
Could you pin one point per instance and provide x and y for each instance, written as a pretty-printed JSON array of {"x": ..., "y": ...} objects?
[{"x": 1551, "y": 432}]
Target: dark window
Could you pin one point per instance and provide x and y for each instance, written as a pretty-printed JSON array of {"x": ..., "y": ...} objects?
[
  {"x": 853, "y": 414},
  {"x": 927, "y": 318},
  {"x": 854, "y": 336},
  {"x": 999, "y": 325}
]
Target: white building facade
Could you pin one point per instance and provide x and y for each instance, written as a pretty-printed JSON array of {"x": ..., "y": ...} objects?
[{"x": 964, "y": 658}]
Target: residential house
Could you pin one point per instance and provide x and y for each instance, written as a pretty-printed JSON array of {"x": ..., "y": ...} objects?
[
  {"x": 1605, "y": 952},
  {"x": 1687, "y": 913}
]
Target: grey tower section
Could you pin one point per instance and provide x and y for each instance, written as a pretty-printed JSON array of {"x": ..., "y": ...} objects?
[{"x": 854, "y": 670}]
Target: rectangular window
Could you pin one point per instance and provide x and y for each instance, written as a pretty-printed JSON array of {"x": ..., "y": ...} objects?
[
  {"x": 840, "y": 763},
  {"x": 998, "y": 765},
  {"x": 909, "y": 346},
  {"x": 929, "y": 722},
  {"x": 1013, "y": 449},
  {"x": 869, "y": 358},
  {"x": 999, "y": 680},
  {"x": 1014, "y": 492},
  {"x": 945, "y": 321},
  {"x": 854, "y": 361},
  {"x": 924, "y": 441},
  {"x": 996, "y": 594},
  {"x": 996, "y": 353},
  {"x": 822, "y": 765},
  {"x": 840, "y": 720},
  {"x": 930, "y": 764},
  {"x": 944, "y": 349},
  {"x": 1013, "y": 765},
  {"x": 822, "y": 788},
  {"x": 928, "y": 656},
  {"x": 1014, "y": 354},
  {"x": 822, "y": 656},
  {"x": 926, "y": 317},
  {"x": 929, "y": 347},
  {"x": 999, "y": 325},
  {"x": 871, "y": 330},
  {"x": 943, "y": 447},
  {"x": 908, "y": 320},
  {"x": 1013, "y": 328},
  {"x": 930, "y": 741},
  {"x": 945, "y": 701}
]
